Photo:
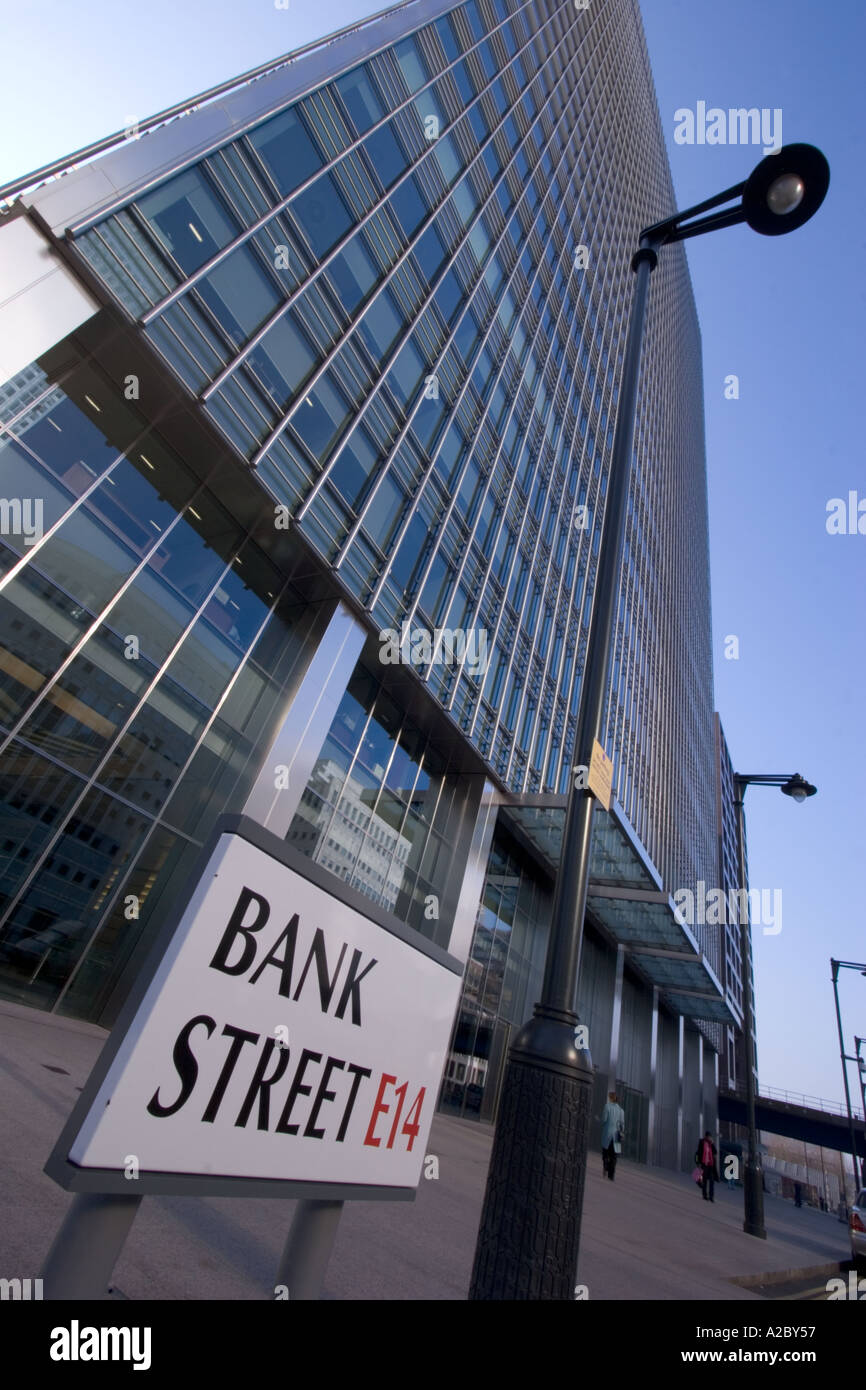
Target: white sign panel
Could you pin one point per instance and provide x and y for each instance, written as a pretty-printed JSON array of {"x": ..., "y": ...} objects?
[{"x": 284, "y": 1035}]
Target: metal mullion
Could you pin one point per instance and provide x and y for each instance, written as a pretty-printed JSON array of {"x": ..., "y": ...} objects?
[
  {"x": 168, "y": 327},
  {"x": 122, "y": 731},
  {"x": 359, "y": 225},
  {"x": 590, "y": 575},
  {"x": 318, "y": 100},
  {"x": 212, "y": 173},
  {"x": 122, "y": 232},
  {"x": 535, "y": 334},
  {"x": 460, "y": 398},
  {"x": 78, "y": 646},
  {"x": 284, "y": 202},
  {"x": 308, "y": 501},
  {"x": 587, "y": 568},
  {"x": 356, "y": 758},
  {"x": 358, "y": 189},
  {"x": 537, "y": 539},
  {"x": 211, "y": 321},
  {"x": 240, "y": 384},
  {"x": 231, "y": 154},
  {"x": 158, "y": 821}
]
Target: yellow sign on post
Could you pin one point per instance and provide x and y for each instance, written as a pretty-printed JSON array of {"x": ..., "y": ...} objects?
[{"x": 601, "y": 775}]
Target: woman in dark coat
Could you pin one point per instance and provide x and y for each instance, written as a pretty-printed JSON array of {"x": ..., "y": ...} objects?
[{"x": 705, "y": 1158}]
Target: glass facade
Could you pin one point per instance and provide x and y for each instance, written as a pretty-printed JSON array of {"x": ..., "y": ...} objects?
[
  {"x": 377, "y": 810},
  {"x": 392, "y": 300},
  {"x": 503, "y": 979},
  {"x": 390, "y": 323},
  {"x": 144, "y": 643}
]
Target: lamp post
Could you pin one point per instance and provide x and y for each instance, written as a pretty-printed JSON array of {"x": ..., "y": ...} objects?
[
  {"x": 530, "y": 1224},
  {"x": 753, "y": 1176},
  {"x": 836, "y": 966},
  {"x": 861, "y": 1072}
]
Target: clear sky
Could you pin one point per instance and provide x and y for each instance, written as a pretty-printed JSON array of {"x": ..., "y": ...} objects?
[{"x": 785, "y": 315}]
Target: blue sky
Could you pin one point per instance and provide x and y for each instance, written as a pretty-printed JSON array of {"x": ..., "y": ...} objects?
[{"x": 783, "y": 314}]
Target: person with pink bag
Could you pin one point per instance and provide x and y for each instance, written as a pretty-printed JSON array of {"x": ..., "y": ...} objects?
[{"x": 706, "y": 1173}]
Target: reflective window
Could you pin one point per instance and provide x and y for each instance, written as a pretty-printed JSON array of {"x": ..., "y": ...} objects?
[
  {"x": 354, "y": 466},
  {"x": 363, "y": 104},
  {"x": 193, "y": 222},
  {"x": 410, "y": 63},
  {"x": 69, "y": 443},
  {"x": 406, "y": 374},
  {"x": 283, "y": 359},
  {"x": 430, "y": 253},
  {"x": 55, "y": 921},
  {"x": 353, "y": 273},
  {"x": 185, "y": 560},
  {"x": 83, "y": 711},
  {"x": 322, "y": 215},
  {"x": 131, "y": 506},
  {"x": 449, "y": 296},
  {"x": 240, "y": 294},
  {"x": 437, "y": 588},
  {"x": 449, "y": 43},
  {"x": 322, "y": 416},
  {"x": 286, "y": 150},
  {"x": 386, "y": 156},
  {"x": 408, "y": 206},
  {"x": 381, "y": 325},
  {"x": 449, "y": 161},
  {"x": 465, "y": 85},
  {"x": 385, "y": 513},
  {"x": 413, "y": 551}
]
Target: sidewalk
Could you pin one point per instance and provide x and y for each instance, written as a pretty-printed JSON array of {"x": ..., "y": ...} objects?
[{"x": 646, "y": 1236}]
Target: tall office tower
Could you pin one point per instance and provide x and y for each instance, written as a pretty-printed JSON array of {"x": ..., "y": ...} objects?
[{"x": 310, "y": 400}]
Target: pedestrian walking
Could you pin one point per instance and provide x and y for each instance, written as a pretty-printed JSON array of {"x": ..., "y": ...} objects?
[
  {"x": 612, "y": 1133},
  {"x": 798, "y": 1195},
  {"x": 705, "y": 1158}
]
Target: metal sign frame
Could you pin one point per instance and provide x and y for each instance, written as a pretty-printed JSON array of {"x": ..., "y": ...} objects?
[{"x": 108, "y": 1180}]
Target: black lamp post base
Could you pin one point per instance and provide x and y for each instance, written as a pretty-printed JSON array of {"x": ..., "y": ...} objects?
[
  {"x": 753, "y": 1194},
  {"x": 530, "y": 1225}
]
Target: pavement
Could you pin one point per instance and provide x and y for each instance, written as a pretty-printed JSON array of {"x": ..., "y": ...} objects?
[{"x": 648, "y": 1235}]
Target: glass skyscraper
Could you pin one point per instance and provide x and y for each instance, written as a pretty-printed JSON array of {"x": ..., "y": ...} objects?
[{"x": 307, "y": 420}]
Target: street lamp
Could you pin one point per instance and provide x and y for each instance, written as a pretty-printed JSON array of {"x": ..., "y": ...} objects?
[
  {"x": 836, "y": 966},
  {"x": 861, "y": 1070},
  {"x": 753, "y": 1177},
  {"x": 530, "y": 1224}
]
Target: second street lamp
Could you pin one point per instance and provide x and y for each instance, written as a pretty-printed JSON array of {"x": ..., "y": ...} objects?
[
  {"x": 753, "y": 1177},
  {"x": 530, "y": 1223},
  {"x": 835, "y": 967}
]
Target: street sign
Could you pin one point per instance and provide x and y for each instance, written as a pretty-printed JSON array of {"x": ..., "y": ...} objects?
[
  {"x": 286, "y": 1035},
  {"x": 600, "y": 780}
]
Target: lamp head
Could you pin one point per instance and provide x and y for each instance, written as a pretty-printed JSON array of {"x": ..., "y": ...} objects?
[
  {"x": 785, "y": 189},
  {"x": 798, "y": 788}
]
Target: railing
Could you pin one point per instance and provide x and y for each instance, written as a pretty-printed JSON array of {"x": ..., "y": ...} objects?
[
  {"x": 830, "y": 1107},
  {"x": 59, "y": 167}
]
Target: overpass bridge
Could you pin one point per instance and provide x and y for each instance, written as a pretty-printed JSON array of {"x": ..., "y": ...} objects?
[{"x": 807, "y": 1118}]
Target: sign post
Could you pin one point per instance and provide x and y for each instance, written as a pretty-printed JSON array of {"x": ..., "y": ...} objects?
[{"x": 287, "y": 1038}]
